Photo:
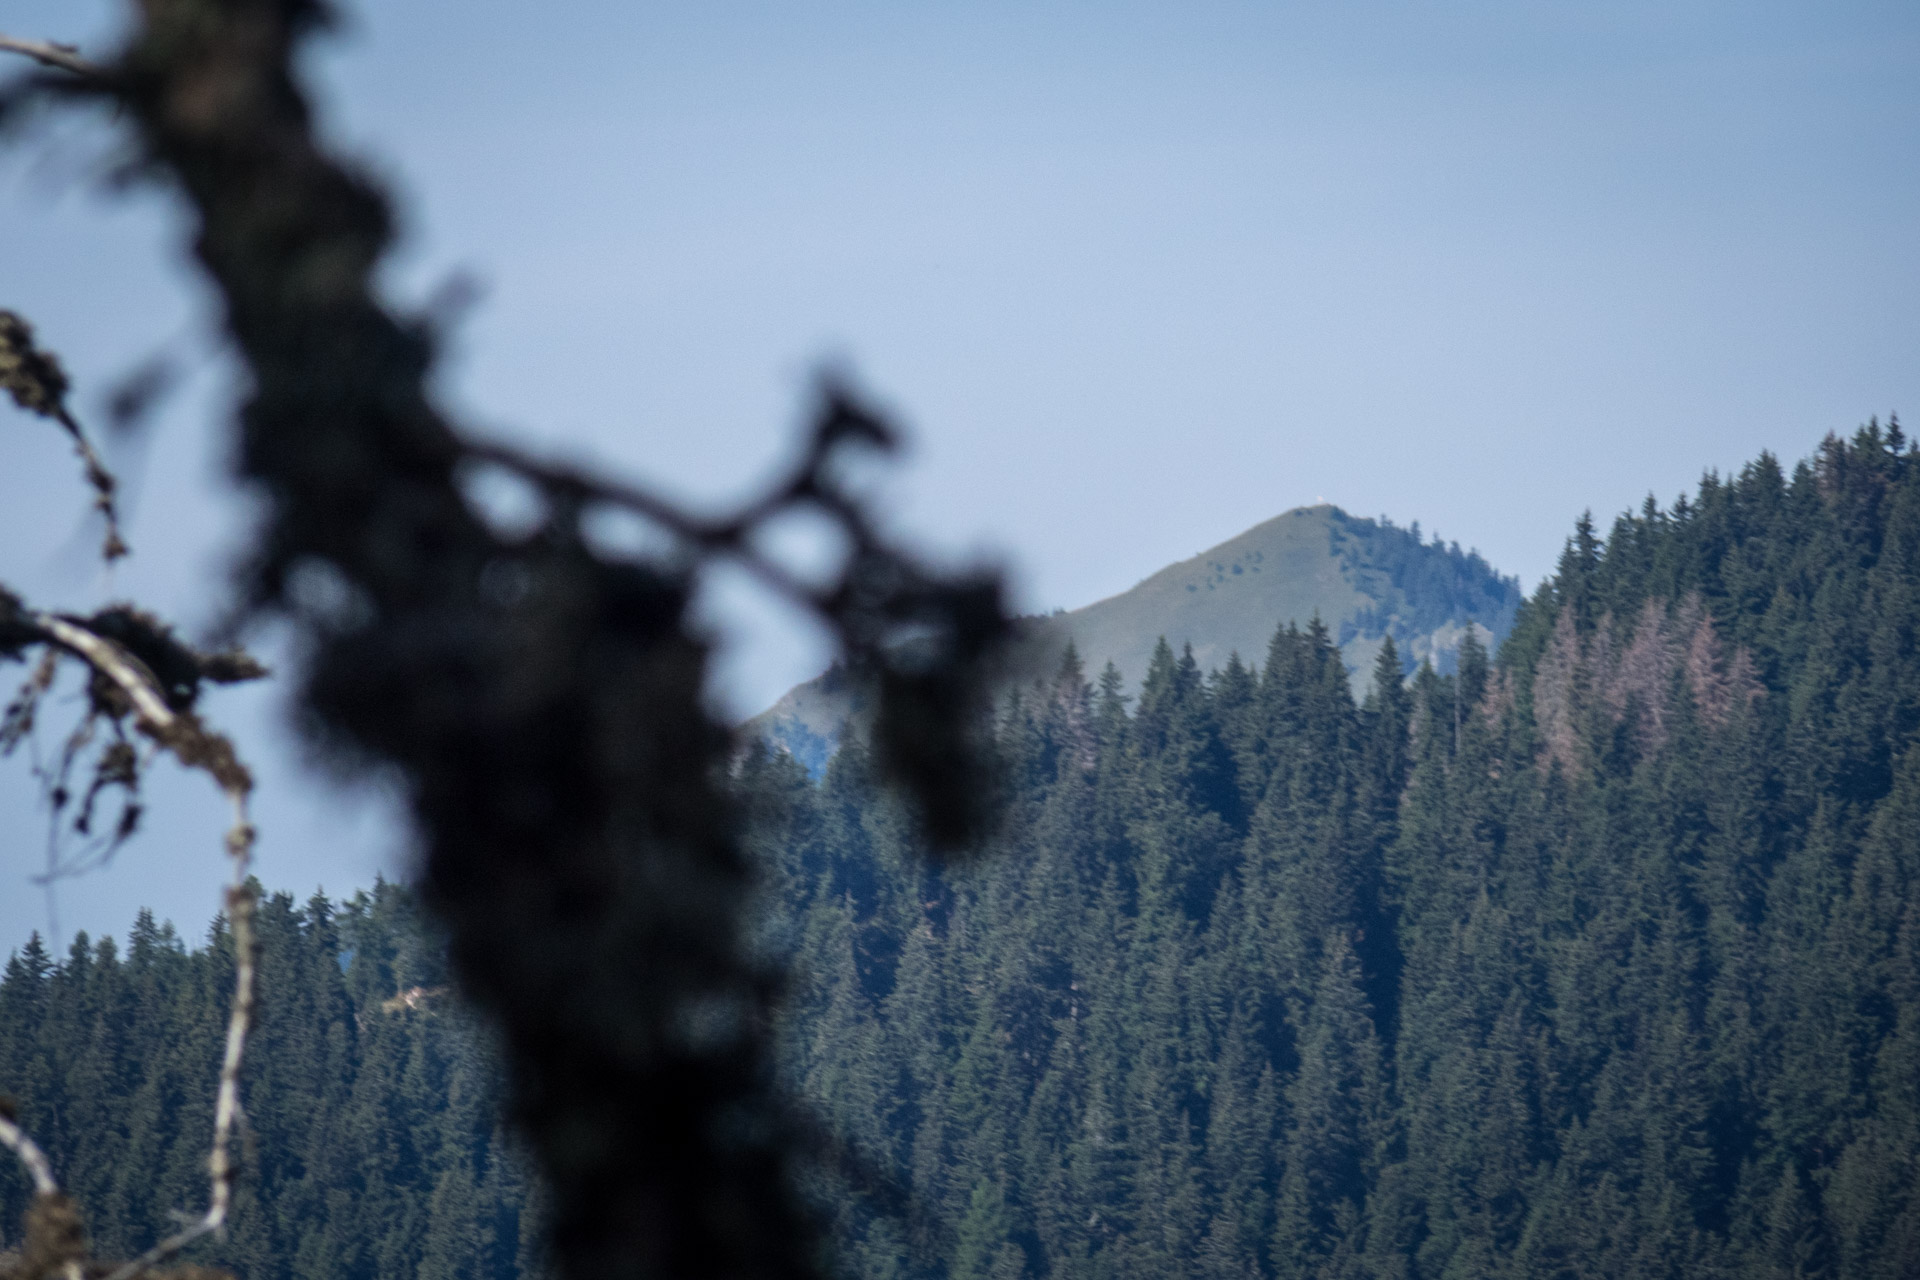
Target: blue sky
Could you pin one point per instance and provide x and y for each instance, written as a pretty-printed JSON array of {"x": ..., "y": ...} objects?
[{"x": 1136, "y": 276}]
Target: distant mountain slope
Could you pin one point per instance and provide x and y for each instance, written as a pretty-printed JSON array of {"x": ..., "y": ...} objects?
[{"x": 1365, "y": 579}]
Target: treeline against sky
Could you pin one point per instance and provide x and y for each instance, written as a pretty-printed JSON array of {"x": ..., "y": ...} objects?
[
  {"x": 1598, "y": 958},
  {"x": 1602, "y": 959},
  {"x": 373, "y": 1145}
]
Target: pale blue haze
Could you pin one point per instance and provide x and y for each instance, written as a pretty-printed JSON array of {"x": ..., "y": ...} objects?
[{"x": 1139, "y": 276}]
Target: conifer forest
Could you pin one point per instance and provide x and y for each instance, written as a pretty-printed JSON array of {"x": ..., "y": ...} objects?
[{"x": 1598, "y": 956}]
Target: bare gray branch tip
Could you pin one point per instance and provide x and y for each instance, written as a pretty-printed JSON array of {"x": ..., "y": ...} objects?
[
  {"x": 173, "y": 725},
  {"x": 51, "y": 53}
]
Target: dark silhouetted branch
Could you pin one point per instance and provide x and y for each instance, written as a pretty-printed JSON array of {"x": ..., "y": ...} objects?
[
  {"x": 38, "y": 384},
  {"x": 543, "y": 701}
]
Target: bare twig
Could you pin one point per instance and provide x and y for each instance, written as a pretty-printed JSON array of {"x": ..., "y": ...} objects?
[
  {"x": 809, "y": 482},
  {"x": 13, "y": 1137},
  {"x": 125, "y": 683},
  {"x": 49, "y": 53},
  {"x": 183, "y": 734},
  {"x": 842, "y": 421},
  {"x": 922, "y": 637},
  {"x": 105, "y": 489},
  {"x": 39, "y": 1169},
  {"x": 116, "y": 664},
  {"x": 37, "y": 383},
  {"x": 226, "y": 1112},
  {"x": 726, "y": 537}
]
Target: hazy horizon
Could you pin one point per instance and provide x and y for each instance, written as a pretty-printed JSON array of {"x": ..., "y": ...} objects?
[{"x": 1136, "y": 279}]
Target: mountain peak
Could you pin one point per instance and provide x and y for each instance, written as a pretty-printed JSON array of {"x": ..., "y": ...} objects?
[{"x": 1364, "y": 579}]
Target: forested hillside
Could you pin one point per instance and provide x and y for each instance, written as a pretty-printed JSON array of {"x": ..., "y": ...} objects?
[
  {"x": 1599, "y": 957},
  {"x": 1599, "y": 960}
]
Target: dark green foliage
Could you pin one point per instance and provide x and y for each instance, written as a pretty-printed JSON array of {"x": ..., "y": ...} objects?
[
  {"x": 1144, "y": 1037},
  {"x": 1600, "y": 959},
  {"x": 375, "y": 1147}
]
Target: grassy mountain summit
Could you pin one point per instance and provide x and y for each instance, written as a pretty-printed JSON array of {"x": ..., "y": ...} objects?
[{"x": 1364, "y": 579}]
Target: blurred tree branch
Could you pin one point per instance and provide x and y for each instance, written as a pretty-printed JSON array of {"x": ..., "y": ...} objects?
[
  {"x": 38, "y": 384},
  {"x": 542, "y": 701},
  {"x": 61, "y": 57},
  {"x": 124, "y": 685}
]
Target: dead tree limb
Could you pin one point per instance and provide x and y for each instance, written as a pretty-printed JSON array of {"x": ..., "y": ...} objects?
[
  {"x": 48, "y": 1199},
  {"x": 127, "y": 685},
  {"x": 16, "y": 1140},
  {"x": 38, "y": 384},
  {"x": 48, "y": 53},
  {"x": 139, "y": 672}
]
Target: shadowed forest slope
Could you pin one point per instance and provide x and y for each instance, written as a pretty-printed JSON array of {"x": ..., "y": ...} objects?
[{"x": 1598, "y": 958}]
